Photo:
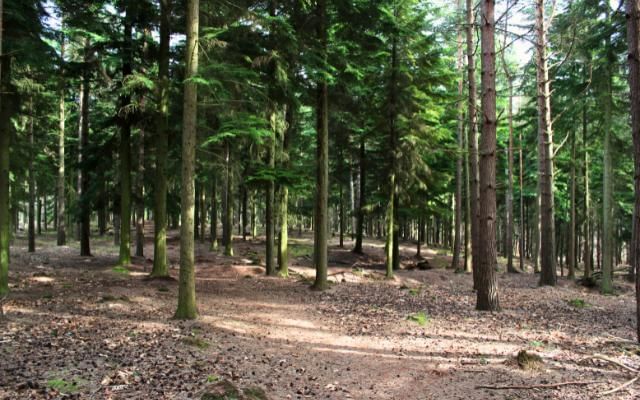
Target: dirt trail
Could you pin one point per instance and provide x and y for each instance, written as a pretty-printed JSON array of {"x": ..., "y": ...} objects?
[{"x": 77, "y": 328}]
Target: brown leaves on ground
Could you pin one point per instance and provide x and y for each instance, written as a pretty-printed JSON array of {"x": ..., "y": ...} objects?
[{"x": 77, "y": 329}]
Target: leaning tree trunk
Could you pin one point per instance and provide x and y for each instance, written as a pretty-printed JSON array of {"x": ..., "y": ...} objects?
[
  {"x": 633, "y": 38},
  {"x": 320, "y": 234},
  {"x": 473, "y": 141},
  {"x": 162, "y": 144},
  {"x": 187, "y": 285},
  {"x": 487, "y": 296},
  {"x": 545, "y": 154}
]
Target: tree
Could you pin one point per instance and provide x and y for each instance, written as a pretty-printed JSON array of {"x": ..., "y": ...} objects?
[
  {"x": 60, "y": 192},
  {"x": 487, "y": 296},
  {"x": 472, "y": 142},
  {"x": 545, "y": 153},
  {"x": 322, "y": 157},
  {"x": 187, "y": 288},
  {"x": 160, "y": 191},
  {"x": 633, "y": 39}
]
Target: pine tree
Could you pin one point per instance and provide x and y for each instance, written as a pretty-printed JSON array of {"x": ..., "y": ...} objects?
[{"x": 187, "y": 288}]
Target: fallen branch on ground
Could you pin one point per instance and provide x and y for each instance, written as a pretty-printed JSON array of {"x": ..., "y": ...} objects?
[
  {"x": 621, "y": 365},
  {"x": 540, "y": 386}
]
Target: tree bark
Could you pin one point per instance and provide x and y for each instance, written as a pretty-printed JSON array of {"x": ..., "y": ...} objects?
[
  {"x": 162, "y": 143},
  {"x": 320, "y": 236},
  {"x": 473, "y": 142},
  {"x": 85, "y": 210},
  {"x": 487, "y": 296},
  {"x": 633, "y": 38},
  {"x": 32, "y": 183},
  {"x": 125, "y": 148},
  {"x": 361, "y": 198},
  {"x": 140, "y": 197},
  {"x": 457, "y": 225},
  {"x": 270, "y": 201},
  {"x": 214, "y": 213},
  {"x": 608, "y": 228},
  {"x": 187, "y": 285},
  {"x": 5, "y": 142},
  {"x": 545, "y": 154},
  {"x": 227, "y": 229}
]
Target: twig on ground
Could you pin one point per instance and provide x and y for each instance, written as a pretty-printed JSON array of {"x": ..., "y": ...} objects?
[
  {"x": 612, "y": 361},
  {"x": 619, "y": 388},
  {"x": 540, "y": 386}
]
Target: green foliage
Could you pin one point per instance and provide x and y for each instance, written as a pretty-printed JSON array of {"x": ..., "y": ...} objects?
[
  {"x": 64, "y": 386},
  {"x": 578, "y": 303},
  {"x": 421, "y": 318},
  {"x": 120, "y": 270}
]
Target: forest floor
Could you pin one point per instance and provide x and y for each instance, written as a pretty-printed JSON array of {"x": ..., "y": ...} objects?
[{"x": 77, "y": 327}]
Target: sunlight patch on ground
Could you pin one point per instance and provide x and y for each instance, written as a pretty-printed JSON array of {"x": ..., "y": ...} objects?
[{"x": 42, "y": 279}]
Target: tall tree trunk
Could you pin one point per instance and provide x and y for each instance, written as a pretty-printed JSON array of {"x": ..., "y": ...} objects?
[
  {"x": 85, "y": 210},
  {"x": 473, "y": 141},
  {"x": 361, "y": 198},
  {"x": 487, "y": 296},
  {"x": 587, "y": 254},
  {"x": 392, "y": 214},
  {"x": 270, "y": 200},
  {"x": 214, "y": 213},
  {"x": 32, "y": 183},
  {"x": 245, "y": 212},
  {"x": 320, "y": 236},
  {"x": 283, "y": 243},
  {"x": 608, "y": 229},
  {"x": 187, "y": 287},
  {"x": 5, "y": 142},
  {"x": 162, "y": 143},
  {"x": 125, "y": 147},
  {"x": 633, "y": 38},
  {"x": 140, "y": 197},
  {"x": 227, "y": 228},
  {"x": 545, "y": 154},
  {"x": 509, "y": 192},
  {"x": 571, "y": 245},
  {"x": 457, "y": 225}
]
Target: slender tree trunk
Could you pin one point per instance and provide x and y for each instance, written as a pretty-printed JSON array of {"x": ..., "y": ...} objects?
[
  {"x": 487, "y": 295},
  {"x": 320, "y": 237},
  {"x": 85, "y": 210},
  {"x": 214, "y": 213},
  {"x": 203, "y": 212},
  {"x": 545, "y": 154},
  {"x": 283, "y": 251},
  {"x": 509, "y": 191},
  {"x": 245, "y": 212},
  {"x": 140, "y": 197},
  {"x": 32, "y": 183},
  {"x": 633, "y": 38},
  {"x": 5, "y": 142},
  {"x": 571, "y": 245},
  {"x": 270, "y": 201},
  {"x": 455, "y": 263},
  {"x": 361, "y": 198},
  {"x": 227, "y": 231},
  {"x": 125, "y": 148},
  {"x": 187, "y": 286},
  {"x": 608, "y": 223},
  {"x": 587, "y": 255},
  {"x": 473, "y": 142},
  {"x": 162, "y": 143}
]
